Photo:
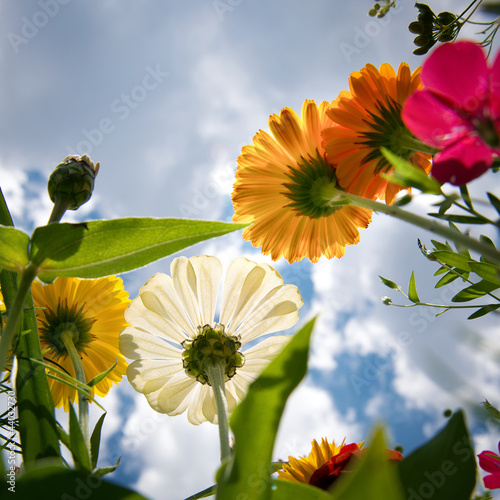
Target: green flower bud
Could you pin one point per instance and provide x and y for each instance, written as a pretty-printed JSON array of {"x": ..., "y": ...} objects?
[
  {"x": 446, "y": 18},
  {"x": 72, "y": 181},
  {"x": 423, "y": 41},
  {"x": 416, "y": 28}
]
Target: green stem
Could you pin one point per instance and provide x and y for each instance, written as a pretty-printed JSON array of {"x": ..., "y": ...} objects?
[
  {"x": 27, "y": 277},
  {"x": 83, "y": 402},
  {"x": 425, "y": 223},
  {"x": 216, "y": 375},
  {"x": 60, "y": 206}
]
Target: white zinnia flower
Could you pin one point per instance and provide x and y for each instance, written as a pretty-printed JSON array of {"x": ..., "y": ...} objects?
[{"x": 174, "y": 316}]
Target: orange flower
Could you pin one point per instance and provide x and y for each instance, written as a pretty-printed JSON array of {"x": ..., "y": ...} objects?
[
  {"x": 367, "y": 118},
  {"x": 285, "y": 187}
]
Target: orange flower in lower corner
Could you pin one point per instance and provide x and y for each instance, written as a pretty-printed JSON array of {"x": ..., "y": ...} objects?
[
  {"x": 92, "y": 311},
  {"x": 367, "y": 118},
  {"x": 286, "y": 187},
  {"x": 325, "y": 463}
]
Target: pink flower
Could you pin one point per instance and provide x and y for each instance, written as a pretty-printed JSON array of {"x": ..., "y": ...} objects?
[
  {"x": 457, "y": 111},
  {"x": 490, "y": 462}
]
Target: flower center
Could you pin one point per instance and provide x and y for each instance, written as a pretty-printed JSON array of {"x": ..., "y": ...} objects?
[
  {"x": 66, "y": 320},
  {"x": 387, "y": 130},
  {"x": 211, "y": 346},
  {"x": 313, "y": 190}
]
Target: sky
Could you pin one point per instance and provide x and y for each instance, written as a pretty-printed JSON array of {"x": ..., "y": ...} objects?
[{"x": 164, "y": 95}]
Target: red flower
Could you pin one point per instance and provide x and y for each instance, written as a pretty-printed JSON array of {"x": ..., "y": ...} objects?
[
  {"x": 490, "y": 462},
  {"x": 457, "y": 111},
  {"x": 326, "y": 475}
]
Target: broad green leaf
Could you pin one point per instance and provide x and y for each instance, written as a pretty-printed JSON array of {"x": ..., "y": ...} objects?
[
  {"x": 487, "y": 271},
  {"x": 461, "y": 219},
  {"x": 101, "y": 248},
  {"x": 287, "y": 490},
  {"x": 483, "y": 311},
  {"x": 407, "y": 175},
  {"x": 389, "y": 283},
  {"x": 444, "y": 467},
  {"x": 95, "y": 440},
  {"x": 494, "y": 201},
  {"x": 77, "y": 444},
  {"x": 255, "y": 422},
  {"x": 475, "y": 291},
  {"x": 51, "y": 481},
  {"x": 412, "y": 289},
  {"x": 375, "y": 477},
  {"x": 440, "y": 246},
  {"x": 452, "y": 259},
  {"x": 13, "y": 249}
]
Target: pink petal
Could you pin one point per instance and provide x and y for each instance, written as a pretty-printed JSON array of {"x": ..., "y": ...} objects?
[
  {"x": 458, "y": 71},
  {"x": 432, "y": 121},
  {"x": 489, "y": 461},
  {"x": 492, "y": 482},
  {"x": 464, "y": 161},
  {"x": 495, "y": 88}
]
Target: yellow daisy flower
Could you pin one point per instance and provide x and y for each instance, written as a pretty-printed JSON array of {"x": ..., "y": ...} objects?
[
  {"x": 284, "y": 187},
  {"x": 93, "y": 311},
  {"x": 367, "y": 118}
]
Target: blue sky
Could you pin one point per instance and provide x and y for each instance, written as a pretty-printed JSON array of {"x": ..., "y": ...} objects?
[{"x": 164, "y": 95}]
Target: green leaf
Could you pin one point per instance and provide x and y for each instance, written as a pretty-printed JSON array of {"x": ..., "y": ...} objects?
[
  {"x": 487, "y": 271},
  {"x": 389, "y": 283},
  {"x": 483, "y": 311},
  {"x": 494, "y": 201},
  {"x": 13, "y": 249},
  {"x": 67, "y": 484},
  {"x": 444, "y": 467},
  {"x": 207, "y": 492},
  {"x": 374, "y": 476},
  {"x": 102, "y": 471},
  {"x": 494, "y": 413},
  {"x": 255, "y": 422},
  {"x": 288, "y": 490},
  {"x": 407, "y": 175},
  {"x": 452, "y": 259},
  {"x": 440, "y": 246},
  {"x": 465, "y": 196},
  {"x": 77, "y": 444},
  {"x": 101, "y": 248},
  {"x": 95, "y": 440},
  {"x": 412, "y": 289},
  {"x": 451, "y": 276},
  {"x": 475, "y": 291},
  {"x": 102, "y": 375},
  {"x": 461, "y": 219}
]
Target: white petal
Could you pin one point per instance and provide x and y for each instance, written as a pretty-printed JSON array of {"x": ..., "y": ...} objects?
[
  {"x": 137, "y": 344},
  {"x": 174, "y": 397},
  {"x": 149, "y": 375},
  {"x": 277, "y": 311},
  {"x": 208, "y": 272},
  {"x": 161, "y": 309},
  {"x": 265, "y": 351},
  {"x": 184, "y": 281},
  {"x": 202, "y": 406}
]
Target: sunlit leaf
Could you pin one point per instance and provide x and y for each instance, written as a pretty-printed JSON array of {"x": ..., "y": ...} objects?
[
  {"x": 482, "y": 311},
  {"x": 77, "y": 444},
  {"x": 13, "y": 249},
  {"x": 475, "y": 291},
  {"x": 487, "y": 271},
  {"x": 389, "y": 283},
  {"x": 412, "y": 289},
  {"x": 452, "y": 259}
]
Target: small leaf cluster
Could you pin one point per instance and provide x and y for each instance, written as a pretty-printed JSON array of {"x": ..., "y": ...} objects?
[
  {"x": 379, "y": 10},
  {"x": 431, "y": 28}
]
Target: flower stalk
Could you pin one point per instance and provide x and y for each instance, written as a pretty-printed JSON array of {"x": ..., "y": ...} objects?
[{"x": 216, "y": 376}]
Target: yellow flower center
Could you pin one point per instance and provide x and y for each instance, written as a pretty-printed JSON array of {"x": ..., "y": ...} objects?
[
  {"x": 63, "y": 321},
  {"x": 313, "y": 189},
  {"x": 213, "y": 346}
]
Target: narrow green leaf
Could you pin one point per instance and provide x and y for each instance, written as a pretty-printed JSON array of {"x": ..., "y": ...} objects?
[
  {"x": 444, "y": 467},
  {"x": 487, "y": 271},
  {"x": 494, "y": 201},
  {"x": 61, "y": 483},
  {"x": 207, "y": 492},
  {"x": 461, "y": 219},
  {"x": 389, "y": 283},
  {"x": 440, "y": 246},
  {"x": 475, "y": 291},
  {"x": 102, "y": 375},
  {"x": 287, "y": 490},
  {"x": 452, "y": 259},
  {"x": 483, "y": 311},
  {"x": 255, "y": 422},
  {"x": 451, "y": 276},
  {"x": 407, "y": 175},
  {"x": 494, "y": 413},
  {"x": 63, "y": 436},
  {"x": 100, "y": 248},
  {"x": 13, "y": 249},
  {"x": 77, "y": 444},
  {"x": 95, "y": 440},
  {"x": 412, "y": 289},
  {"x": 374, "y": 476},
  {"x": 102, "y": 471},
  {"x": 465, "y": 196},
  {"x": 487, "y": 241}
]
